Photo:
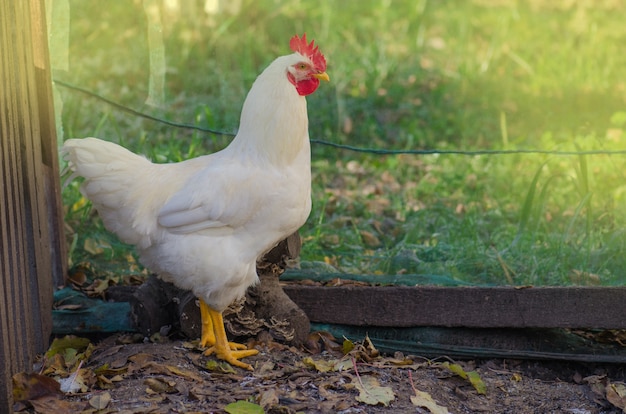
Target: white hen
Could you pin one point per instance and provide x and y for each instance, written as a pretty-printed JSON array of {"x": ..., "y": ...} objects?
[{"x": 203, "y": 223}]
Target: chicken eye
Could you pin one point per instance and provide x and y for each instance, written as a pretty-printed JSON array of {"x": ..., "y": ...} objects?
[{"x": 302, "y": 66}]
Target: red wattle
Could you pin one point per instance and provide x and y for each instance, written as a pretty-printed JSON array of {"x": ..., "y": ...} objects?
[
  {"x": 304, "y": 87},
  {"x": 307, "y": 86}
]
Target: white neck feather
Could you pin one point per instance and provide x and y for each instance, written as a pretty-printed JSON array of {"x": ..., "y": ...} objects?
[{"x": 274, "y": 123}]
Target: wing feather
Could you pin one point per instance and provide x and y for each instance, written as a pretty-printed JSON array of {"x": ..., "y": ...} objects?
[{"x": 217, "y": 197}]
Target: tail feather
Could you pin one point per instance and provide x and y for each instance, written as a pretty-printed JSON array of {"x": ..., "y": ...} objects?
[{"x": 117, "y": 182}]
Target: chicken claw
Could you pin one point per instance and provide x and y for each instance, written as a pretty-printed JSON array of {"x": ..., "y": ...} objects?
[
  {"x": 214, "y": 336},
  {"x": 232, "y": 357}
]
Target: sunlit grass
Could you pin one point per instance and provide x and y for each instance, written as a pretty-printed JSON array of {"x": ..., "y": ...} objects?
[{"x": 405, "y": 75}]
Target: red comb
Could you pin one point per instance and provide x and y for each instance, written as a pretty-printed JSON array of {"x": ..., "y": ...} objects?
[{"x": 299, "y": 44}]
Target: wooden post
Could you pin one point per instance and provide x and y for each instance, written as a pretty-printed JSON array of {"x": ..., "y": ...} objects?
[{"x": 32, "y": 253}]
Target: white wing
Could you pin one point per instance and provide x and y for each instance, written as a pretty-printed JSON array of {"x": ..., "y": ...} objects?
[{"x": 218, "y": 197}]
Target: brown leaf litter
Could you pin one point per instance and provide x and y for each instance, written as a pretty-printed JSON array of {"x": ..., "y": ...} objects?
[{"x": 175, "y": 377}]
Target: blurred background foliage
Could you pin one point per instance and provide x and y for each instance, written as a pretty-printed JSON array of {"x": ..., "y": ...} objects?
[{"x": 468, "y": 75}]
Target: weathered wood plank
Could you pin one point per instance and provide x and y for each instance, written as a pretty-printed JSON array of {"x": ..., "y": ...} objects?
[
  {"x": 31, "y": 246},
  {"x": 12, "y": 246},
  {"x": 472, "y": 307}
]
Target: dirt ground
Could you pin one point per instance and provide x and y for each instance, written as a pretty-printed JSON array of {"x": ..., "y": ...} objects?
[{"x": 173, "y": 376}]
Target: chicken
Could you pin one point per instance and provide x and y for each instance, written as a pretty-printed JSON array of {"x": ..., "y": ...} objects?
[{"x": 203, "y": 223}]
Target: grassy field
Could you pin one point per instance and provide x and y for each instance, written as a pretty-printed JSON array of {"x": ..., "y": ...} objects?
[{"x": 455, "y": 75}]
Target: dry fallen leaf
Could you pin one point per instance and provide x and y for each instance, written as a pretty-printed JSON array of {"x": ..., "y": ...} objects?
[
  {"x": 321, "y": 365},
  {"x": 372, "y": 352},
  {"x": 184, "y": 373},
  {"x": 77, "y": 277},
  {"x": 371, "y": 392},
  {"x": 98, "y": 288},
  {"x": 267, "y": 367},
  {"x": 32, "y": 386},
  {"x": 55, "y": 365},
  {"x": 423, "y": 399},
  {"x": 322, "y": 341},
  {"x": 70, "y": 343},
  {"x": 141, "y": 359},
  {"x": 598, "y": 384},
  {"x": 110, "y": 371},
  {"x": 160, "y": 385},
  {"x": 53, "y": 404},
  {"x": 364, "y": 350},
  {"x": 268, "y": 398},
  {"x": 613, "y": 392},
  {"x": 616, "y": 394},
  {"x": 100, "y": 401},
  {"x": 347, "y": 346},
  {"x": 74, "y": 383}
]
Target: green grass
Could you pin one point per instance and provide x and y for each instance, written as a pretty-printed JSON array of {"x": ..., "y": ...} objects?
[{"x": 404, "y": 75}]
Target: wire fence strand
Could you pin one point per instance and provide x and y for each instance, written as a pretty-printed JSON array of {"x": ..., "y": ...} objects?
[{"x": 377, "y": 151}]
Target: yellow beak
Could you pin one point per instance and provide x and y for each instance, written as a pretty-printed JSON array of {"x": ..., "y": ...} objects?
[{"x": 322, "y": 76}]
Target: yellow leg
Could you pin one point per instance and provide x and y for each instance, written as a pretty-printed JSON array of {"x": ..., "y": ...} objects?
[
  {"x": 208, "y": 335},
  {"x": 207, "y": 338},
  {"x": 214, "y": 336}
]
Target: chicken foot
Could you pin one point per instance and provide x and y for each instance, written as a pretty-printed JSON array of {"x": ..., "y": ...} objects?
[
  {"x": 208, "y": 333},
  {"x": 214, "y": 336}
]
